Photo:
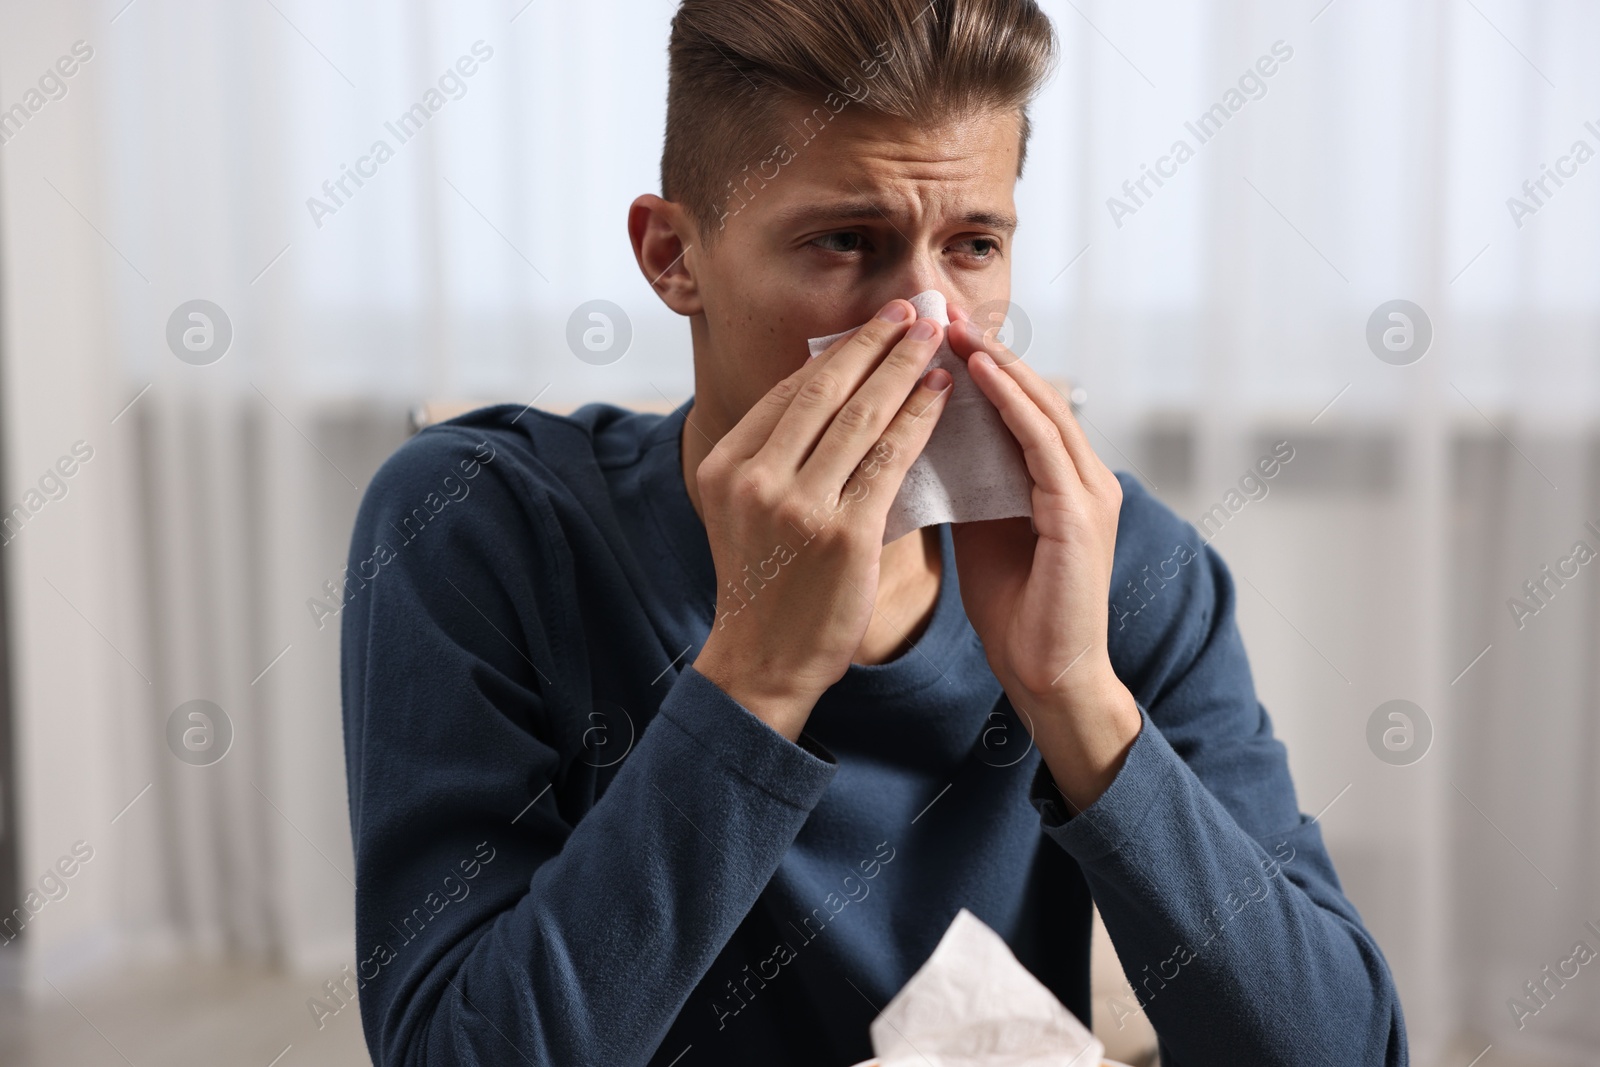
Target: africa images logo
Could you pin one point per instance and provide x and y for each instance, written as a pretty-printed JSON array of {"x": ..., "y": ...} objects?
[{"x": 452, "y": 85}]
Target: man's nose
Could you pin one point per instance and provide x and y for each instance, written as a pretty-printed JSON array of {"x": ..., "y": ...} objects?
[{"x": 916, "y": 275}]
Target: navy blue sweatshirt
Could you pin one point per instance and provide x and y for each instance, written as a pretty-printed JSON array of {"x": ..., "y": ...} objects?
[{"x": 573, "y": 848}]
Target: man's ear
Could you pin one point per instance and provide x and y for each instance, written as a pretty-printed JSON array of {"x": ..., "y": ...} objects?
[{"x": 665, "y": 245}]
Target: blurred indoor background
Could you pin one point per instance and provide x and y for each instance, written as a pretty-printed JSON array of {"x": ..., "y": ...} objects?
[{"x": 1398, "y": 152}]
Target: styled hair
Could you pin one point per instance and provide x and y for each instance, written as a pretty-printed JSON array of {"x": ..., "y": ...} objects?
[{"x": 735, "y": 66}]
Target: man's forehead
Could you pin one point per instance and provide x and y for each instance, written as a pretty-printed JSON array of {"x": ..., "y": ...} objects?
[
  {"x": 867, "y": 166},
  {"x": 822, "y": 207},
  {"x": 983, "y": 143}
]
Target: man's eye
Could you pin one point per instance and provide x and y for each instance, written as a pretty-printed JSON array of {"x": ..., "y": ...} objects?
[
  {"x": 982, "y": 247},
  {"x": 850, "y": 242}
]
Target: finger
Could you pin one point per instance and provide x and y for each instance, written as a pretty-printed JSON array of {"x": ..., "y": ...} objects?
[
  {"x": 969, "y": 339},
  {"x": 957, "y": 313},
  {"x": 1050, "y": 466},
  {"x": 865, "y": 417},
  {"x": 831, "y": 381},
  {"x": 974, "y": 335},
  {"x": 752, "y": 431},
  {"x": 876, "y": 478},
  {"x": 755, "y": 429},
  {"x": 838, "y": 343}
]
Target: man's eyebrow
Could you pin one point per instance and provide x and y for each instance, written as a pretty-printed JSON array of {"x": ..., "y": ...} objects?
[{"x": 852, "y": 210}]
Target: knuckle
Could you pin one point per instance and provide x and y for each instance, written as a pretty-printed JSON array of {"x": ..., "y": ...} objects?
[
  {"x": 740, "y": 494},
  {"x": 882, "y": 455},
  {"x": 820, "y": 389},
  {"x": 757, "y": 489},
  {"x": 858, "y": 537},
  {"x": 885, "y": 451},
  {"x": 858, "y": 414},
  {"x": 786, "y": 514},
  {"x": 784, "y": 391},
  {"x": 875, "y": 334},
  {"x": 823, "y": 522},
  {"x": 771, "y": 496},
  {"x": 711, "y": 471},
  {"x": 922, "y": 401},
  {"x": 910, "y": 354},
  {"x": 812, "y": 520}
]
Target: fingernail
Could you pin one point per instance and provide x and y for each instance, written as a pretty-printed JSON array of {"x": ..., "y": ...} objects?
[
  {"x": 922, "y": 330},
  {"x": 895, "y": 311},
  {"x": 938, "y": 379},
  {"x": 980, "y": 356}
]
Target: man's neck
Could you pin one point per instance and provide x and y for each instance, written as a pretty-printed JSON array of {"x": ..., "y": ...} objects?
[{"x": 909, "y": 570}]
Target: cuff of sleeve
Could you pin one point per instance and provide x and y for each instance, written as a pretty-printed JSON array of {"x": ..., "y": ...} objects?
[
  {"x": 1147, "y": 775},
  {"x": 794, "y": 774}
]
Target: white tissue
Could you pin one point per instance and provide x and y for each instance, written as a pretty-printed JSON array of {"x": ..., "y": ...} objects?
[
  {"x": 973, "y": 1005},
  {"x": 971, "y": 468}
]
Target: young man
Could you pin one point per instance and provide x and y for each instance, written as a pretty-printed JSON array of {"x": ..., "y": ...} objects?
[{"x": 657, "y": 754}]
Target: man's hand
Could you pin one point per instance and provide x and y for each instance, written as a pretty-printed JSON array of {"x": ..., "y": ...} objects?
[
  {"x": 795, "y": 499},
  {"x": 1038, "y": 597}
]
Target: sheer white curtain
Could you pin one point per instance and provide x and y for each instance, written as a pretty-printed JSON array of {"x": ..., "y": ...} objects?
[{"x": 1209, "y": 316}]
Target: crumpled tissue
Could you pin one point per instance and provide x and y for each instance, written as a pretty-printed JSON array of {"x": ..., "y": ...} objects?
[
  {"x": 974, "y": 1005},
  {"x": 971, "y": 468}
]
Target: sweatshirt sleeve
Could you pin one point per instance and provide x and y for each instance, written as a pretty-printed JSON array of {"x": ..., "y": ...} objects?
[
  {"x": 1217, "y": 891},
  {"x": 493, "y": 925}
]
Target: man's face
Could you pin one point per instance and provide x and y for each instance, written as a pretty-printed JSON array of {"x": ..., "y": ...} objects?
[{"x": 870, "y": 209}]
